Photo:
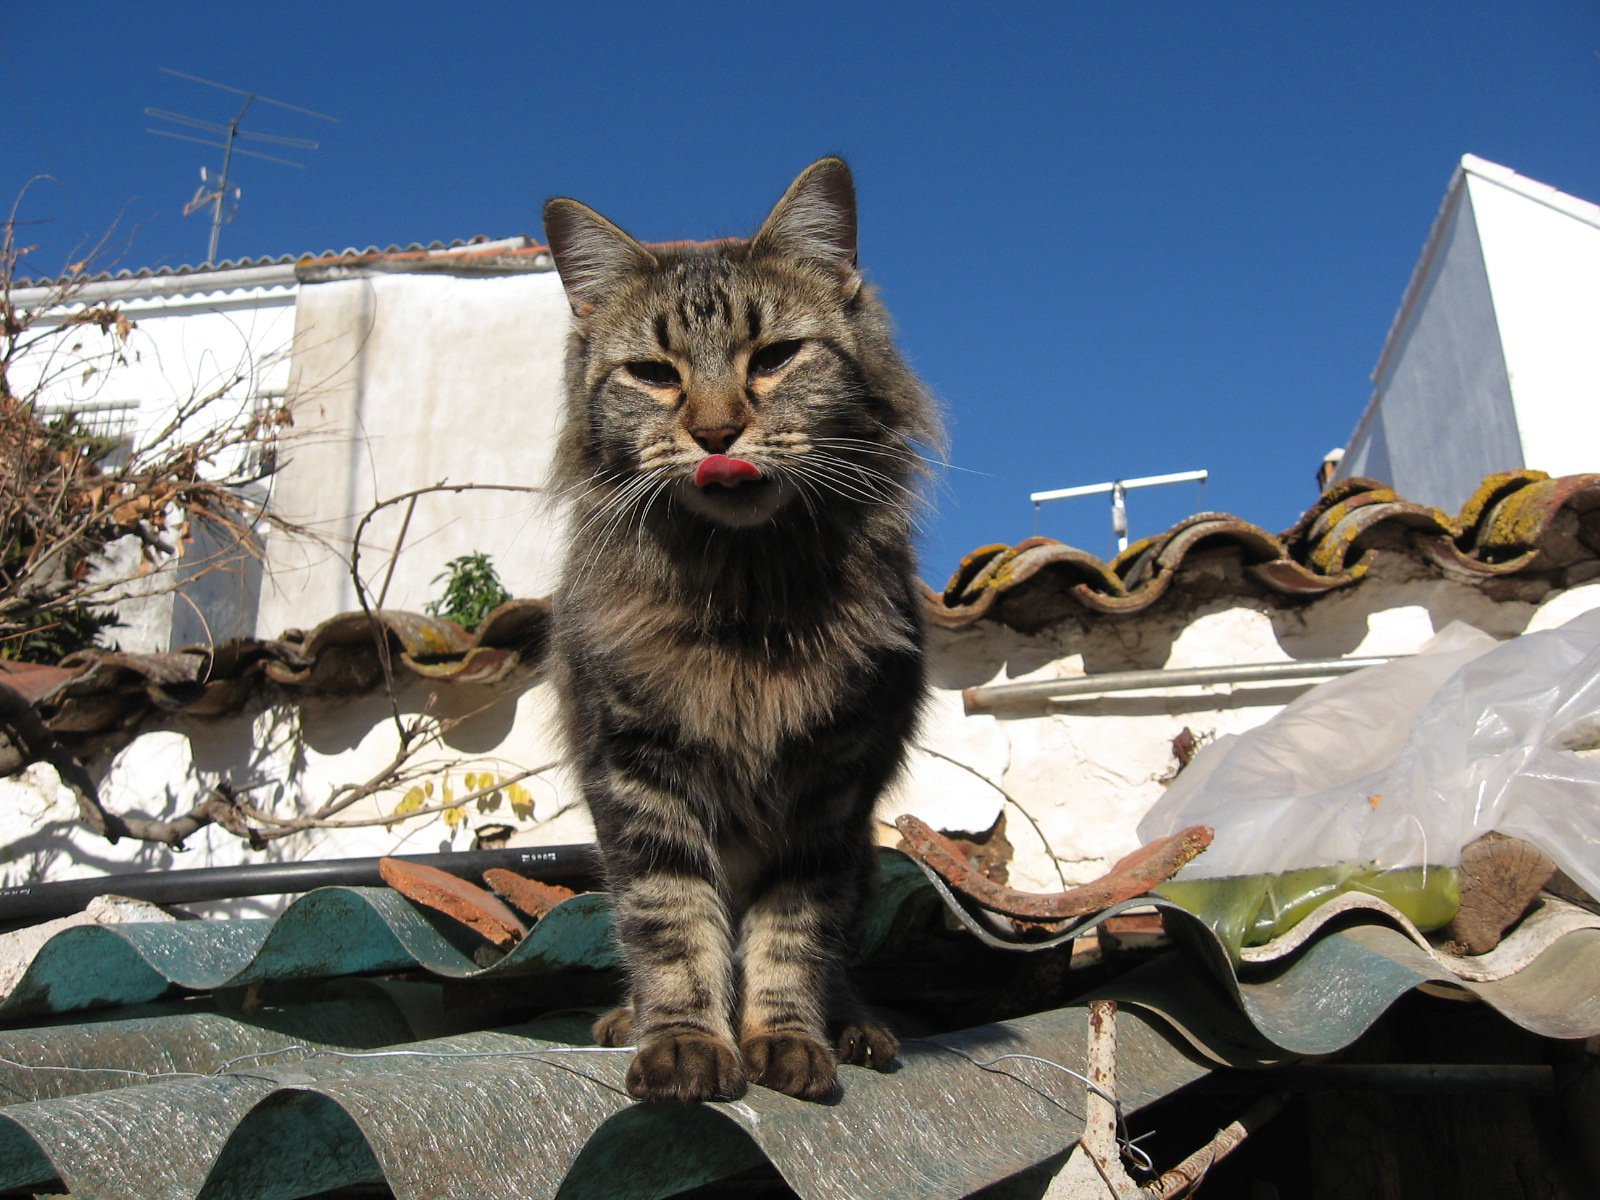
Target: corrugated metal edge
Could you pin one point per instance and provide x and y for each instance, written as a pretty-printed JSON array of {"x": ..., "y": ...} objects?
[
  {"x": 336, "y": 931},
  {"x": 1317, "y": 989},
  {"x": 445, "y": 1118},
  {"x": 327, "y": 933}
]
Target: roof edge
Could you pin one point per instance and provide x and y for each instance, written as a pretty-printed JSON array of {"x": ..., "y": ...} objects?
[
  {"x": 65, "y": 292},
  {"x": 1531, "y": 189},
  {"x": 1420, "y": 272},
  {"x": 511, "y": 255}
]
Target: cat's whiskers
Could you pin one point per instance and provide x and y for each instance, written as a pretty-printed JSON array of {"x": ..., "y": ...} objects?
[
  {"x": 619, "y": 510},
  {"x": 897, "y": 449},
  {"x": 866, "y": 473},
  {"x": 847, "y": 479},
  {"x": 606, "y": 501},
  {"x": 850, "y": 480}
]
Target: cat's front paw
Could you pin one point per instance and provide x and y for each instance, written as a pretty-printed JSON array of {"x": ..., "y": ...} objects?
[
  {"x": 615, "y": 1028},
  {"x": 793, "y": 1063},
  {"x": 685, "y": 1066},
  {"x": 868, "y": 1044}
]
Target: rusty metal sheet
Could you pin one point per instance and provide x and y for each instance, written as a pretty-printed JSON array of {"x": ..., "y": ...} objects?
[{"x": 1132, "y": 875}]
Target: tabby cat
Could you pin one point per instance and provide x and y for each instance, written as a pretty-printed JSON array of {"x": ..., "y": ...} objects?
[{"x": 738, "y": 633}]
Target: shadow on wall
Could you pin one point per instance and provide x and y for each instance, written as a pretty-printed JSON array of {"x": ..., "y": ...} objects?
[
  {"x": 220, "y": 585},
  {"x": 486, "y": 715},
  {"x": 1400, "y": 602}
]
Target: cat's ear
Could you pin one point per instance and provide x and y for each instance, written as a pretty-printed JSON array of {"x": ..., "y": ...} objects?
[
  {"x": 592, "y": 255},
  {"x": 816, "y": 219}
]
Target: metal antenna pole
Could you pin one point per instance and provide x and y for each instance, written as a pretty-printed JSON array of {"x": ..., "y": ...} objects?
[
  {"x": 222, "y": 185},
  {"x": 1119, "y": 489},
  {"x": 230, "y": 134}
]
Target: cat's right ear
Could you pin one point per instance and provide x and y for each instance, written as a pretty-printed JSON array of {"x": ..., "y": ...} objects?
[{"x": 592, "y": 255}]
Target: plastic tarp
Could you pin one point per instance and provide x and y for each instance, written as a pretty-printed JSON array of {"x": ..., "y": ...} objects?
[{"x": 1376, "y": 780}]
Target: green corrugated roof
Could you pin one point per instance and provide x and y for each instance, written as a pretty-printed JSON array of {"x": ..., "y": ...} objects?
[{"x": 239, "y": 1058}]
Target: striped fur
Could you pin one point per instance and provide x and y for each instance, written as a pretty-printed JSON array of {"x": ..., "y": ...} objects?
[{"x": 740, "y": 667}]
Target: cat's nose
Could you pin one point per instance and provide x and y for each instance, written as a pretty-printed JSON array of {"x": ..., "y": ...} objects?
[{"x": 717, "y": 440}]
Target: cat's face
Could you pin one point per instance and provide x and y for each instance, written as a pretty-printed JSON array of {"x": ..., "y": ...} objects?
[{"x": 728, "y": 380}]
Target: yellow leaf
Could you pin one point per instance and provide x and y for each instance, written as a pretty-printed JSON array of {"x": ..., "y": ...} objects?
[
  {"x": 521, "y": 801},
  {"x": 409, "y": 803},
  {"x": 454, "y": 816},
  {"x": 427, "y": 788}
]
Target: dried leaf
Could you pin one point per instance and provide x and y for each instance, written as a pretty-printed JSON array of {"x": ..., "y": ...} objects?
[{"x": 409, "y": 803}]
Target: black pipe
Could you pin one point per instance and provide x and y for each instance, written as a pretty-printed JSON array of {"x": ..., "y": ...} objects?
[{"x": 572, "y": 866}]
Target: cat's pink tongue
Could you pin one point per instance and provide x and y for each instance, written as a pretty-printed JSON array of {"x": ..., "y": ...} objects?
[{"x": 729, "y": 472}]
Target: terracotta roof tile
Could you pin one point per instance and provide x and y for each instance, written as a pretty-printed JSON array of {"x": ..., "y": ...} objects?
[
  {"x": 1522, "y": 522},
  {"x": 518, "y": 253},
  {"x": 1517, "y": 522},
  {"x": 95, "y": 691}
]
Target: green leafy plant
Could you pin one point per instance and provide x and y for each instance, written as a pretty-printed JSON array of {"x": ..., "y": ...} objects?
[
  {"x": 74, "y": 627},
  {"x": 472, "y": 589}
]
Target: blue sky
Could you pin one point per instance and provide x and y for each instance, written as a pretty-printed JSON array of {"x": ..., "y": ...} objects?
[{"x": 1119, "y": 239}]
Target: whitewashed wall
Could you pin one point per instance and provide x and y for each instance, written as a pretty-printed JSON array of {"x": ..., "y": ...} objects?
[
  {"x": 1441, "y": 416},
  {"x": 403, "y": 382},
  {"x": 1542, "y": 253},
  {"x": 1073, "y": 780},
  {"x": 1493, "y": 362}
]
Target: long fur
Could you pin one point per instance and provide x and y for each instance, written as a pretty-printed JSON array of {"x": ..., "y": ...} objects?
[{"x": 740, "y": 668}]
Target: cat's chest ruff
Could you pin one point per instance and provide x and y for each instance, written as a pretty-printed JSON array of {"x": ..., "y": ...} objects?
[{"x": 726, "y": 691}]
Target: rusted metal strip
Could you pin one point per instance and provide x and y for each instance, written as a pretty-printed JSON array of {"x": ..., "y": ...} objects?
[{"x": 1132, "y": 876}]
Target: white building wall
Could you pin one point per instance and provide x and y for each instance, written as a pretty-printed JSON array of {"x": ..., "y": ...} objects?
[
  {"x": 230, "y": 343},
  {"x": 1541, "y": 251},
  {"x": 1441, "y": 416},
  {"x": 403, "y": 382},
  {"x": 1493, "y": 362}
]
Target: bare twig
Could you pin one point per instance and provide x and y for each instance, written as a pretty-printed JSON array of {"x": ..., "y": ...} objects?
[{"x": 65, "y": 498}]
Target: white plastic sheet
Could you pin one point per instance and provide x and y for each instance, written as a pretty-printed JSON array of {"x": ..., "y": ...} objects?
[{"x": 1402, "y": 765}]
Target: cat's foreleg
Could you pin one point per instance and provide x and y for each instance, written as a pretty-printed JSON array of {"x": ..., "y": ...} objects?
[
  {"x": 790, "y": 953},
  {"x": 677, "y": 946},
  {"x": 678, "y": 949}
]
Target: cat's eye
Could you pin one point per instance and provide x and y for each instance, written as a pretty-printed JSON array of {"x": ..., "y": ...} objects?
[
  {"x": 656, "y": 374},
  {"x": 773, "y": 357}
]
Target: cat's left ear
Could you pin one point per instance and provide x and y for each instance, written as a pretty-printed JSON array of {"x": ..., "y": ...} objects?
[
  {"x": 816, "y": 219},
  {"x": 592, "y": 255}
]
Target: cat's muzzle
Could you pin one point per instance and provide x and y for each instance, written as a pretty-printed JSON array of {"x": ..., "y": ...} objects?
[{"x": 735, "y": 491}]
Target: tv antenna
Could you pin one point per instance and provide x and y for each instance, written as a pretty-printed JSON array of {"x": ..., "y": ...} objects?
[
  {"x": 215, "y": 193},
  {"x": 1119, "y": 489}
]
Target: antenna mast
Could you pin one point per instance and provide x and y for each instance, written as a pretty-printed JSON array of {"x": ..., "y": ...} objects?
[
  {"x": 1119, "y": 488},
  {"x": 229, "y": 133}
]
